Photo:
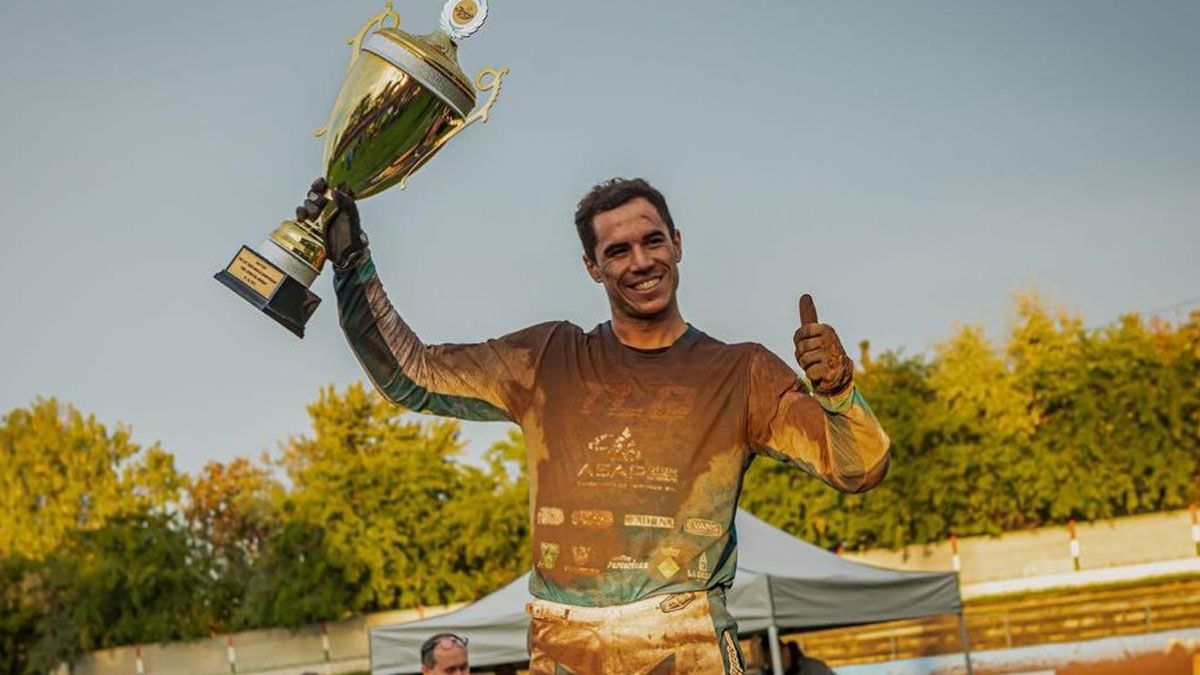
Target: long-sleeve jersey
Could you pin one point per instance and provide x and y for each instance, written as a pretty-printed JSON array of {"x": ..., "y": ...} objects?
[{"x": 635, "y": 457}]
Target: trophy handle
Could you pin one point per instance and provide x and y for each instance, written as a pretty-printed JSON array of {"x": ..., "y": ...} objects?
[
  {"x": 479, "y": 115},
  {"x": 355, "y": 41}
]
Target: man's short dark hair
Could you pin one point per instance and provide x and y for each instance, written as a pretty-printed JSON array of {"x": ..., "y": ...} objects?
[
  {"x": 609, "y": 195},
  {"x": 427, "y": 657}
]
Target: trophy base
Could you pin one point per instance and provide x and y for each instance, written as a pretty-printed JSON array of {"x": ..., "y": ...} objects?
[{"x": 273, "y": 291}]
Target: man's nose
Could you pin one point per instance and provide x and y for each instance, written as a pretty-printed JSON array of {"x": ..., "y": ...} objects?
[{"x": 641, "y": 258}]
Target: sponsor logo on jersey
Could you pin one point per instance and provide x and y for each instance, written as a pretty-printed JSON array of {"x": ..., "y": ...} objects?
[
  {"x": 592, "y": 518},
  {"x": 676, "y": 602},
  {"x": 644, "y": 520},
  {"x": 622, "y": 400},
  {"x": 624, "y": 562},
  {"x": 549, "y": 515},
  {"x": 665, "y": 561},
  {"x": 615, "y": 461},
  {"x": 581, "y": 554},
  {"x": 549, "y": 556},
  {"x": 703, "y": 527},
  {"x": 701, "y": 572}
]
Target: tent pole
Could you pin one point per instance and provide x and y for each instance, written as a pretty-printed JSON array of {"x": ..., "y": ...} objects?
[
  {"x": 966, "y": 641},
  {"x": 776, "y": 654},
  {"x": 773, "y": 632}
]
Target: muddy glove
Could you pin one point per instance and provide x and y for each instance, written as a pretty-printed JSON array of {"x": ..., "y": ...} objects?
[
  {"x": 820, "y": 353},
  {"x": 343, "y": 235}
]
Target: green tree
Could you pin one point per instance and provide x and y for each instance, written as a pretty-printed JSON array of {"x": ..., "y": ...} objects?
[
  {"x": 402, "y": 518},
  {"x": 296, "y": 581},
  {"x": 486, "y": 522},
  {"x": 61, "y": 471},
  {"x": 1116, "y": 409},
  {"x": 134, "y": 579},
  {"x": 20, "y": 613},
  {"x": 1060, "y": 421},
  {"x": 231, "y": 510}
]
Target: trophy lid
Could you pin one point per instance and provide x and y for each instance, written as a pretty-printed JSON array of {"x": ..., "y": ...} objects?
[{"x": 430, "y": 59}]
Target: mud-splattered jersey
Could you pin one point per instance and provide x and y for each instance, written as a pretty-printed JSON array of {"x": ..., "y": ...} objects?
[{"x": 635, "y": 457}]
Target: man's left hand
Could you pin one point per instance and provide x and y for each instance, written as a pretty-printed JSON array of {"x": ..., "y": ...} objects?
[{"x": 820, "y": 353}]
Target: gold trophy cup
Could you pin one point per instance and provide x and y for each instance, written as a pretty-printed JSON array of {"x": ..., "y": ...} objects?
[{"x": 403, "y": 98}]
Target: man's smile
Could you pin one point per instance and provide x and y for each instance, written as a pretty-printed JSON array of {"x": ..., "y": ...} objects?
[{"x": 646, "y": 284}]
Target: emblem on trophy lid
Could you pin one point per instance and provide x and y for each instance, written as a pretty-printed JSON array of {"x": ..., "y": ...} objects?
[{"x": 461, "y": 18}]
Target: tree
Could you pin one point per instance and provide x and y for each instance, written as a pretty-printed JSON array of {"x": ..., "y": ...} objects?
[
  {"x": 1058, "y": 422},
  {"x": 134, "y": 579},
  {"x": 400, "y": 516},
  {"x": 231, "y": 510},
  {"x": 296, "y": 581},
  {"x": 61, "y": 471},
  {"x": 486, "y": 523},
  {"x": 20, "y": 613}
]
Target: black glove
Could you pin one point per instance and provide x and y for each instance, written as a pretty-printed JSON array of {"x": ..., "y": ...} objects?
[
  {"x": 820, "y": 353},
  {"x": 343, "y": 235}
]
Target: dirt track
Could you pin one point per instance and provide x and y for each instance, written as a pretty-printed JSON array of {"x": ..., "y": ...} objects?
[{"x": 1178, "y": 662}]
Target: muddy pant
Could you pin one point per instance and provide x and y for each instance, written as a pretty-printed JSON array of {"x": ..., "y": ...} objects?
[{"x": 679, "y": 633}]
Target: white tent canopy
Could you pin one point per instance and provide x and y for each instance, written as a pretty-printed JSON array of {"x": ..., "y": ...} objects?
[{"x": 782, "y": 584}]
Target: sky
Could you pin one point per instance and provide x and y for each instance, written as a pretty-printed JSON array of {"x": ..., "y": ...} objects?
[{"x": 910, "y": 164}]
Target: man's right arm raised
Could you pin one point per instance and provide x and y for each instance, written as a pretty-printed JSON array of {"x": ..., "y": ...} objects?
[{"x": 485, "y": 381}]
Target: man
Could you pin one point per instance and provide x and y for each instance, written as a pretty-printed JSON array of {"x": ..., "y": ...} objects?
[
  {"x": 638, "y": 434},
  {"x": 444, "y": 654}
]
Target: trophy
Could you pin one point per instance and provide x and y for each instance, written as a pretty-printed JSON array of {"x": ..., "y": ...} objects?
[{"x": 403, "y": 98}]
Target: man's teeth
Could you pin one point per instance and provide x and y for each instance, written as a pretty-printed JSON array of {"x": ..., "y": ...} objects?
[{"x": 646, "y": 285}]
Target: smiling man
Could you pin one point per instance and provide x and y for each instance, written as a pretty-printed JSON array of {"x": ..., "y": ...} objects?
[{"x": 638, "y": 431}]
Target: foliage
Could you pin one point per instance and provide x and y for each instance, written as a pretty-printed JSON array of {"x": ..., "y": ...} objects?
[
  {"x": 61, "y": 471},
  {"x": 19, "y": 613},
  {"x": 404, "y": 521},
  {"x": 297, "y": 581},
  {"x": 133, "y": 579},
  {"x": 103, "y": 543},
  {"x": 1060, "y": 422},
  {"x": 230, "y": 511}
]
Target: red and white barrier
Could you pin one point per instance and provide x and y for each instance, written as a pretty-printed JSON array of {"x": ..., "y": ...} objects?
[
  {"x": 325, "y": 642},
  {"x": 1074, "y": 544},
  {"x": 1195, "y": 530}
]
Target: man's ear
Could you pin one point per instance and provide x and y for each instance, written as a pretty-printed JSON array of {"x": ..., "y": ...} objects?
[
  {"x": 593, "y": 269},
  {"x": 678, "y": 241}
]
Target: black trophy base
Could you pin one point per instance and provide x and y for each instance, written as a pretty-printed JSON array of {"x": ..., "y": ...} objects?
[{"x": 270, "y": 289}]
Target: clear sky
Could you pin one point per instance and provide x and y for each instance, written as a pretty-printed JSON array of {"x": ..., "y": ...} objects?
[{"x": 908, "y": 163}]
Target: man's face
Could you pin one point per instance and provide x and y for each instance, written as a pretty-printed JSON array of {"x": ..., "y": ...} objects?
[
  {"x": 637, "y": 259},
  {"x": 449, "y": 657}
]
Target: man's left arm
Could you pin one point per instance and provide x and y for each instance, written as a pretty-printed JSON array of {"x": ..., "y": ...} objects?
[{"x": 831, "y": 433}]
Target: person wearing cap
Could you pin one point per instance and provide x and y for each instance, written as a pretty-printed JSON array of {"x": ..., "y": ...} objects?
[{"x": 638, "y": 432}]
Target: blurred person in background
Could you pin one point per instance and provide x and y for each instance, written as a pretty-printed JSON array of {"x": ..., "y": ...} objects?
[{"x": 444, "y": 654}]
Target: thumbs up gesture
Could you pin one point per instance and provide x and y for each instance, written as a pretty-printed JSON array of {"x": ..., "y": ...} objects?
[{"x": 819, "y": 352}]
